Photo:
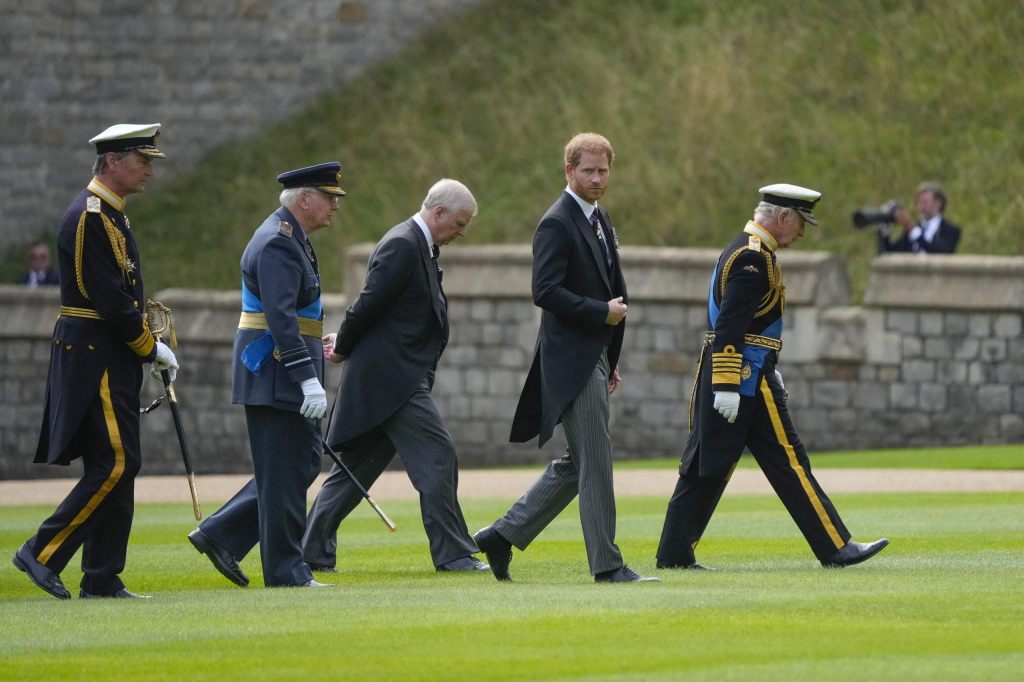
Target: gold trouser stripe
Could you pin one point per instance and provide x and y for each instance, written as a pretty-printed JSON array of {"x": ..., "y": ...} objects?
[
  {"x": 307, "y": 327},
  {"x": 115, "y": 474},
  {"x": 71, "y": 311},
  {"x": 780, "y": 435}
]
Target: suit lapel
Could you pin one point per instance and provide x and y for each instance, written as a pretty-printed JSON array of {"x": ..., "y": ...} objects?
[
  {"x": 430, "y": 269},
  {"x": 583, "y": 225}
]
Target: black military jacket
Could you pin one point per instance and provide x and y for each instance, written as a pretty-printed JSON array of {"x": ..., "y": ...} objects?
[
  {"x": 746, "y": 300},
  {"x": 101, "y": 330}
]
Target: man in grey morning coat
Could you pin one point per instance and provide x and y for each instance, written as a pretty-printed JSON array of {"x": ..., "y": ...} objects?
[{"x": 577, "y": 282}]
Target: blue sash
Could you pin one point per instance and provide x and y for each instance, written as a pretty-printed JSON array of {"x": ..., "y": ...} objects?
[
  {"x": 257, "y": 352},
  {"x": 753, "y": 356}
]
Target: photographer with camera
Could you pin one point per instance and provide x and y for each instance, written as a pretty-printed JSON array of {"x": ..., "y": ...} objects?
[{"x": 931, "y": 234}]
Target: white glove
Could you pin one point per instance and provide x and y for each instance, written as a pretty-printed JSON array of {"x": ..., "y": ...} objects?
[
  {"x": 782, "y": 385},
  {"x": 314, "y": 406},
  {"x": 728, "y": 404},
  {"x": 164, "y": 360}
]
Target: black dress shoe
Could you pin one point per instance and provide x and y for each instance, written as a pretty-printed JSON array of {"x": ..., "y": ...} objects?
[
  {"x": 686, "y": 567},
  {"x": 854, "y": 553},
  {"x": 623, "y": 575},
  {"x": 123, "y": 593},
  {"x": 314, "y": 583},
  {"x": 466, "y": 563},
  {"x": 322, "y": 568},
  {"x": 221, "y": 558},
  {"x": 497, "y": 549},
  {"x": 39, "y": 574}
]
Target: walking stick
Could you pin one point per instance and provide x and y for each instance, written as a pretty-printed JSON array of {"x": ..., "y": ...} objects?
[
  {"x": 158, "y": 317},
  {"x": 348, "y": 472}
]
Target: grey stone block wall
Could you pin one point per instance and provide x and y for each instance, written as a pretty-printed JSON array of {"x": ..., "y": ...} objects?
[
  {"x": 920, "y": 363},
  {"x": 211, "y": 72}
]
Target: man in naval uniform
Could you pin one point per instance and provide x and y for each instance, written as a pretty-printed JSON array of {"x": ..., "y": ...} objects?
[
  {"x": 739, "y": 400},
  {"x": 278, "y": 377},
  {"x": 100, "y": 343}
]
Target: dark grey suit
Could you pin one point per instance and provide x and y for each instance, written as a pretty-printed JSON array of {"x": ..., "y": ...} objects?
[
  {"x": 392, "y": 337},
  {"x": 576, "y": 352},
  {"x": 281, "y": 281}
]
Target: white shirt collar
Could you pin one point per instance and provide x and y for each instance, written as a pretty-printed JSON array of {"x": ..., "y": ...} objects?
[
  {"x": 931, "y": 226},
  {"x": 585, "y": 206},
  {"x": 423, "y": 228},
  {"x": 927, "y": 227}
]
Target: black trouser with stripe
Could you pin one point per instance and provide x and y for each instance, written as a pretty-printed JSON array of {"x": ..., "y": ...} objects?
[
  {"x": 97, "y": 514},
  {"x": 775, "y": 445}
]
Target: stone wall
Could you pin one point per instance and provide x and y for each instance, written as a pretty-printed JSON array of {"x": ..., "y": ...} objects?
[
  {"x": 211, "y": 72},
  {"x": 935, "y": 356}
]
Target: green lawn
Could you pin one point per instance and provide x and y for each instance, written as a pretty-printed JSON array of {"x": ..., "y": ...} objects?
[
  {"x": 943, "y": 602},
  {"x": 965, "y": 457}
]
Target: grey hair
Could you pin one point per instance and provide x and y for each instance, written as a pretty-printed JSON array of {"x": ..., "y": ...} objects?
[
  {"x": 452, "y": 195},
  {"x": 290, "y": 196},
  {"x": 101, "y": 164},
  {"x": 765, "y": 212}
]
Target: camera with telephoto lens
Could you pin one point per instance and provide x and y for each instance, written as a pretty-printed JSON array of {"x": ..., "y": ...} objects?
[{"x": 884, "y": 214}]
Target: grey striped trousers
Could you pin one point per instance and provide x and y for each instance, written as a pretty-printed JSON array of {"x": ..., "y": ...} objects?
[{"x": 586, "y": 470}]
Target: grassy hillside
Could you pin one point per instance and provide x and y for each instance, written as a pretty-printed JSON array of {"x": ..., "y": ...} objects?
[{"x": 704, "y": 101}]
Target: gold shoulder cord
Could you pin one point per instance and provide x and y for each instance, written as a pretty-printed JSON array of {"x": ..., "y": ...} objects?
[
  {"x": 79, "y": 243},
  {"x": 117, "y": 244},
  {"x": 776, "y": 289},
  {"x": 728, "y": 266}
]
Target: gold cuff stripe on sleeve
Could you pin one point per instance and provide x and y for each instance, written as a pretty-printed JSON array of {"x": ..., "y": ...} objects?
[
  {"x": 143, "y": 344},
  {"x": 71, "y": 311},
  {"x": 725, "y": 377}
]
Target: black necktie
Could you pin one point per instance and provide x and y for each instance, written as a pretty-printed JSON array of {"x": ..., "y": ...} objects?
[
  {"x": 435, "y": 251},
  {"x": 595, "y": 222}
]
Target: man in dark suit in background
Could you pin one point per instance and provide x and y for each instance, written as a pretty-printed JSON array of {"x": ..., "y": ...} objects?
[
  {"x": 278, "y": 377},
  {"x": 391, "y": 341},
  {"x": 40, "y": 270},
  {"x": 931, "y": 234},
  {"x": 577, "y": 282}
]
